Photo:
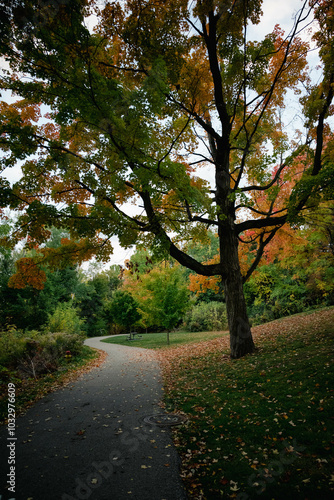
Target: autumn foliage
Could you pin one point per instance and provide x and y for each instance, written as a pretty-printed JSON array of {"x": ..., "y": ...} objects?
[{"x": 114, "y": 126}]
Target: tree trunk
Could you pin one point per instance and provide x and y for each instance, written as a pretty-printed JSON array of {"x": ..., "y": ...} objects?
[{"x": 241, "y": 340}]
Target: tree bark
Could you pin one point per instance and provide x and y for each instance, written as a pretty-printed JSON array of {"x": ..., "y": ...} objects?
[{"x": 241, "y": 340}]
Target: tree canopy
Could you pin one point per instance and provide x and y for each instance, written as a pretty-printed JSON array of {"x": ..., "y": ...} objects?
[
  {"x": 124, "y": 309},
  {"x": 112, "y": 125}
]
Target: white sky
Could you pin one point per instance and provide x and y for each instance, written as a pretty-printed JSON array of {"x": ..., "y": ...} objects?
[
  {"x": 280, "y": 12},
  {"x": 277, "y": 12}
]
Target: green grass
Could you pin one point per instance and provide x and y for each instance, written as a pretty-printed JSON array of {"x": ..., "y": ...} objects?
[
  {"x": 262, "y": 426},
  {"x": 159, "y": 340}
]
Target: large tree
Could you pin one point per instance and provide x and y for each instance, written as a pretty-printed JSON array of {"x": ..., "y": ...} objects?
[{"x": 132, "y": 108}]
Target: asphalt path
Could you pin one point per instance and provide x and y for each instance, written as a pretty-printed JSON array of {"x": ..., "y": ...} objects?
[{"x": 88, "y": 440}]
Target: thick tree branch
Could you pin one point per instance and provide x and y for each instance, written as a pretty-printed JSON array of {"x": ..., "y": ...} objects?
[
  {"x": 254, "y": 187},
  {"x": 267, "y": 95},
  {"x": 210, "y": 130},
  {"x": 120, "y": 68},
  {"x": 141, "y": 225},
  {"x": 184, "y": 259},
  {"x": 187, "y": 261},
  {"x": 269, "y": 213},
  {"x": 211, "y": 44},
  {"x": 320, "y": 127},
  {"x": 317, "y": 162},
  {"x": 260, "y": 223}
]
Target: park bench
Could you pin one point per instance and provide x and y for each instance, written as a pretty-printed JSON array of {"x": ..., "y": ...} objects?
[{"x": 133, "y": 336}]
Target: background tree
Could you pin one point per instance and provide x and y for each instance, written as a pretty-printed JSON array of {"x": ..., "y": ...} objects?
[
  {"x": 93, "y": 299},
  {"x": 65, "y": 318},
  {"x": 162, "y": 295},
  {"x": 129, "y": 106},
  {"x": 123, "y": 310},
  {"x": 24, "y": 303},
  {"x": 173, "y": 304}
]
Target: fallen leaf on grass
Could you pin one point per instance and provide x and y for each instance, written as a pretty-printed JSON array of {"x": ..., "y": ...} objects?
[{"x": 224, "y": 481}]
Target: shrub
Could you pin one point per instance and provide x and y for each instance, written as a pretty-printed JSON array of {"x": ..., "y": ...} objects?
[
  {"x": 65, "y": 319},
  {"x": 59, "y": 343},
  {"x": 12, "y": 346},
  {"x": 47, "y": 352},
  {"x": 35, "y": 353},
  {"x": 207, "y": 316},
  {"x": 273, "y": 292}
]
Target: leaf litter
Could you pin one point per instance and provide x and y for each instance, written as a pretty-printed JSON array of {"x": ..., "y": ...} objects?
[{"x": 262, "y": 425}]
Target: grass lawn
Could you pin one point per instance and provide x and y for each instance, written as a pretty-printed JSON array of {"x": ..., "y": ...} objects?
[
  {"x": 262, "y": 426},
  {"x": 159, "y": 340}
]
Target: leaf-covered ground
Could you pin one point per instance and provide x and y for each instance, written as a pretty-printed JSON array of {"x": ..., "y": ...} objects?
[{"x": 262, "y": 426}]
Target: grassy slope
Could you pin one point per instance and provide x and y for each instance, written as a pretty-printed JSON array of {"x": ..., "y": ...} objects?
[{"x": 262, "y": 426}]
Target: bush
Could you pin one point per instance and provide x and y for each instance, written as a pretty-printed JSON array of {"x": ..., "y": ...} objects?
[
  {"x": 207, "y": 316},
  {"x": 273, "y": 292},
  {"x": 12, "y": 346},
  {"x": 59, "y": 343},
  {"x": 65, "y": 319},
  {"x": 47, "y": 352},
  {"x": 35, "y": 353}
]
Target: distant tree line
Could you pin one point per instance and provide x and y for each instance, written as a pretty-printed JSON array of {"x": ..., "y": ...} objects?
[{"x": 153, "y": 294}]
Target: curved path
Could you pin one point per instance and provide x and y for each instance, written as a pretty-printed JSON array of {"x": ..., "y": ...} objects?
[{"x": 87, "y": 441}]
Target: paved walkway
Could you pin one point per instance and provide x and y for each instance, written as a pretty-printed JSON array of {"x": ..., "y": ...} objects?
[{"x": 87, "y": 441}]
